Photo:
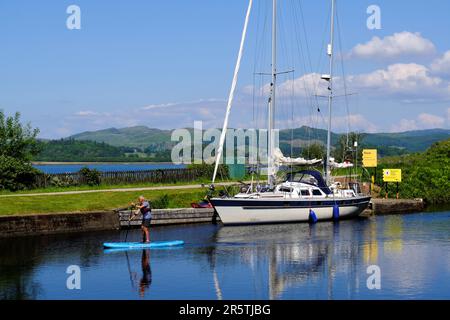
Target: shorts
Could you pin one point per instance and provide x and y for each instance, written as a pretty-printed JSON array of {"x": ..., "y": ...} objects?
[{"x": 146, "y": 223}]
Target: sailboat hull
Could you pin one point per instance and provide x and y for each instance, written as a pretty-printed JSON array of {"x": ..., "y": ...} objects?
[{"x": 260, "y": 211}]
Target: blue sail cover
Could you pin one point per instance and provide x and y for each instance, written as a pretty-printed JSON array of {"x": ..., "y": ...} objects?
[{"x": 318, "y": 176}]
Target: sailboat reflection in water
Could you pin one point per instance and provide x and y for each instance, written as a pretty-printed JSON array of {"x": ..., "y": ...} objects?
[{"x": 296, "y": 257}]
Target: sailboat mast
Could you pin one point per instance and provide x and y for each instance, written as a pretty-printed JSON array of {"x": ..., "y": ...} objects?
[
  {"x": 330, "y": 96},
  {"x": 232, "y": 93},
  {"x": 271, "y": 113}
]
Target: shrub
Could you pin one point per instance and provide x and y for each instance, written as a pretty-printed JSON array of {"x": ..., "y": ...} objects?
[
  {"x": 15, "y": 174},
  {"x": 17, "y": 146},
  {"x": 161, "y": 202},
  {"x": 91, "y": 177},
  {"x": 207, "y": 170}
]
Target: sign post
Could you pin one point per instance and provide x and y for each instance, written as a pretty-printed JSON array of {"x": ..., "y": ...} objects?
[
  {"x": 370, "y": 160},
  {"x": 392, "y": 175}
]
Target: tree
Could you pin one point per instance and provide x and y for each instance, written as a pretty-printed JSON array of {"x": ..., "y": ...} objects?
[
  {"x": 18, "y": 145},
  {"x": 314, "y": 151},
  {"x": 344, "y": 149}
]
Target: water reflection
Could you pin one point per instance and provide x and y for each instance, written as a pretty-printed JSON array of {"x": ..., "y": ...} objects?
[
  {"x": 324, "y": 261},
  {"x": 292, "y": 254},
  {"x": 145, "y": 281}
]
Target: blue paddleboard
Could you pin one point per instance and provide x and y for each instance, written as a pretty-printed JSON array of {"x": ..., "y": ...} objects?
[{"x": 142, "y": 245}]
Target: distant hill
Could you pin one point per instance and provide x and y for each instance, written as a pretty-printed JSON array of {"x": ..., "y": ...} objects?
[
  {"x": 156, "y": 140},
  {"x": 411, "y": 141},
  {"x": 136, "y": 137},
  {"x": 69, "y": 150}
]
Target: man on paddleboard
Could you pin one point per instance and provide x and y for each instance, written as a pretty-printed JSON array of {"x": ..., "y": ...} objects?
[{"x": 145, "y": 209}]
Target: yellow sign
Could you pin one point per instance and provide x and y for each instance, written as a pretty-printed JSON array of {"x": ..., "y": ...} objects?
[
  {"x": 370, "y": 158},
  {"x": 392, "y": 175}
]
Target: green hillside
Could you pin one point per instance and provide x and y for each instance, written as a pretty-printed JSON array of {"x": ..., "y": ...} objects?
[
  {"x": 136, "y": 137},
  {"x": 69, "y": 150},
  {"x": 159, "y": 140}
]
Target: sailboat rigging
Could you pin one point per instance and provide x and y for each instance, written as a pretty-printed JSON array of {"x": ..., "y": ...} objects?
[{"x": 304, "y": 195}]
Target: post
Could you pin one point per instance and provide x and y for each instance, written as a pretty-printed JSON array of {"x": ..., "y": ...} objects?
[
  {"x": 387, "y": 191},
  {"x": 372, "y": 185},
  {"x": 398, "y": 195}
]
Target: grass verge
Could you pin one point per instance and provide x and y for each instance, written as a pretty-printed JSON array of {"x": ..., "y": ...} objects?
[{"x": 93, "y": 202}]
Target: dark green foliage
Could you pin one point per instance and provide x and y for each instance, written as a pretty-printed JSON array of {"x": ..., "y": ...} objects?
[
  {"x": 17, "y": 146},
  {"x": 314, "y": 151},
  {"x": 425, "y": 175},
  {"x": 91, "y": 177},
  {"x": 345, "y": 150},
  {"x": 207, "y": 170},
  {"x": 69, "y": 150},
  {"x": 161, "y": 202},
  {"x": 16, "y": 174}
]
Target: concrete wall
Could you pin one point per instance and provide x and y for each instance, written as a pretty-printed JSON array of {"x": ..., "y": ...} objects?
[
  {"x": 171, "y": 216},
  {"x": 13, "y": 226},
  {"x": 392, "y": 206}
]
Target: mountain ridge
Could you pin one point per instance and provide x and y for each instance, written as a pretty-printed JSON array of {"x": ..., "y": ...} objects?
[{"x": 143, "y": 137}]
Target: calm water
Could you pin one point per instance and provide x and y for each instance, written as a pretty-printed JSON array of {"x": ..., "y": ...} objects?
[
  {"x": 325, "y": 261},
  {"x": 70, "y": 168}
]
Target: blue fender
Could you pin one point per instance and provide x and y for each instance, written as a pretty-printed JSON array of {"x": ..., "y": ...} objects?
[
  {"x": 312, "y": 217},
  {"x": 336, "y": 212}
]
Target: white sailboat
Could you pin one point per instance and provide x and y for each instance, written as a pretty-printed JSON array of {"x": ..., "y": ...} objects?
[{"x": 304, "y": 196}]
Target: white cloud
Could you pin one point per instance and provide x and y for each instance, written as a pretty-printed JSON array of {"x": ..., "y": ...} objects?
[
  {"x": 442, "y": 64},
  {"x": 86, "y": 113},
  {"x": 431, "y": 121},
  {"x": 397, "y": 45},
  {"x": 405, "y": 125},
  {"x": 412, "y": 81},
  {"x": 357, "y": 122},
  {"x": 422, "y": 122},
  {"x": 304, "y": 86}
]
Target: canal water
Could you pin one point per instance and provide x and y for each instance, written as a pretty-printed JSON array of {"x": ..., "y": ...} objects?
[{"x": 325, "y": 261}]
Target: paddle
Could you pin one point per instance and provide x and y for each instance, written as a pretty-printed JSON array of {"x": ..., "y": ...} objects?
[
  {"x": 129, "y": 224},
  {"x": 129, "y": 270}
]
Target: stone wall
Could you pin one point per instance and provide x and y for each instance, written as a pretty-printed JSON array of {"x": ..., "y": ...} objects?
[{"x": 11, "y": 226}]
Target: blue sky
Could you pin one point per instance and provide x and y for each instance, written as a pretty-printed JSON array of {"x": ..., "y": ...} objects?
[{"x": 168, "y": 63}]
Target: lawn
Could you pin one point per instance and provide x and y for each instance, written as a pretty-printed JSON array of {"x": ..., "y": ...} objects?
[
  {"x": 195, "y": 183},
  {"x": 92, "y": 202}
]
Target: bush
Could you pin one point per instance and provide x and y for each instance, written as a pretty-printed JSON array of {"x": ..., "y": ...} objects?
[
  {"x": 424, "y": 175},
  {"x": 17, "y": 146},
  {"x": 161, "y": 202},
  {"x": 91, "y": 177},
  {"x": 207, "y": 170},
  {"x": 16, "y": 175}
]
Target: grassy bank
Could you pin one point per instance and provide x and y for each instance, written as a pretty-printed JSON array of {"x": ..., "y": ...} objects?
[
  {"x": 195, "y": 183},
  {"x": 93, "y": 202}
]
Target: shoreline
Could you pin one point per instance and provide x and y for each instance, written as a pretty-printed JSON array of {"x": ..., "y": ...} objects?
[{"x": 78, "y": 222}]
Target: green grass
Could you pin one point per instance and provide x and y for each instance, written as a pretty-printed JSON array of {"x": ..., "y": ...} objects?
[
  {"x": 109, "y": 187},
  {"x": 92, "y": 202}
]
